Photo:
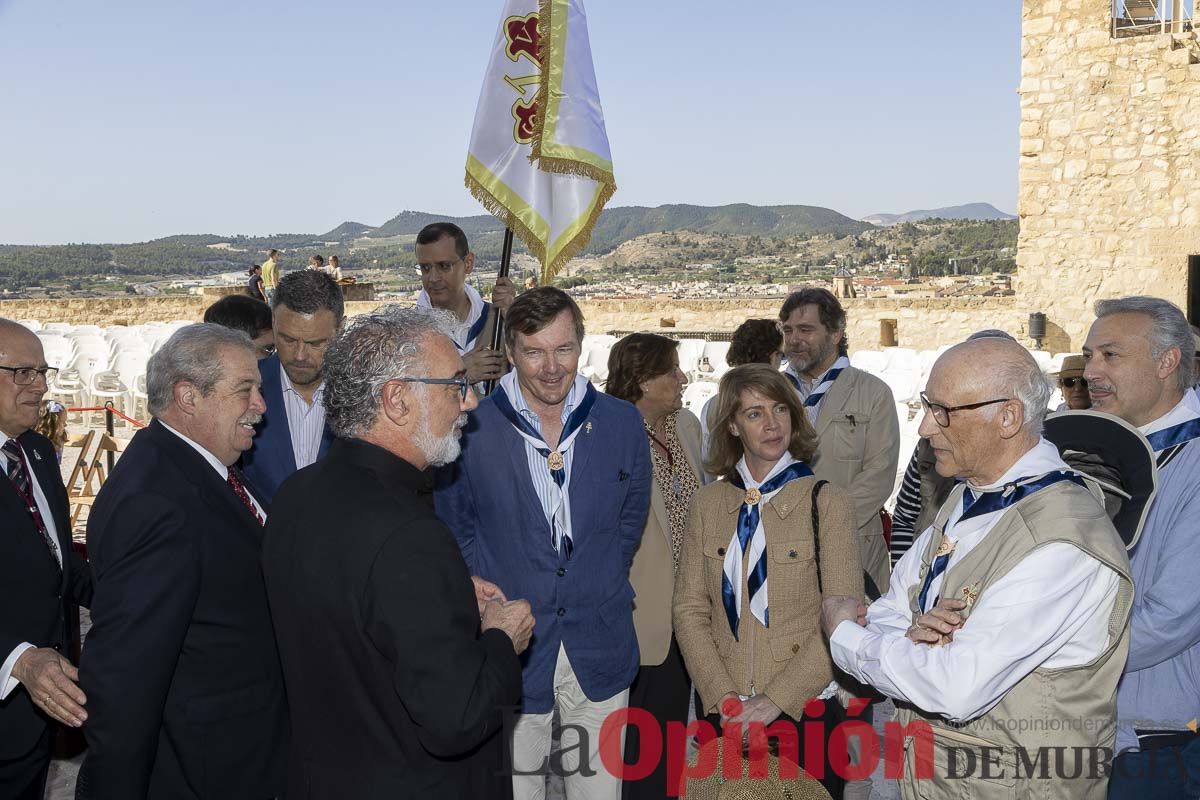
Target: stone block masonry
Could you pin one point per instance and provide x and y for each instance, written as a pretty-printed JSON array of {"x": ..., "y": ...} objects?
[{"x": 1109, "y": 176}]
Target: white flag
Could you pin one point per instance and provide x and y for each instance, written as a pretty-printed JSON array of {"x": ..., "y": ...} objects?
[{"x": 539, "y": 157}]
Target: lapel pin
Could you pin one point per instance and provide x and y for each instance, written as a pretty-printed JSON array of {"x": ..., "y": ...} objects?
[
  {"x": 37, "y": 456},
  {"x": 587, "y": 428}
]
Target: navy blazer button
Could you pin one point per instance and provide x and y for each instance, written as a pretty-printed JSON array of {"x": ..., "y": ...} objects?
[
  {"x": 720, "y": 551},
  {"x": 561, "y": 572},
  {"x": 562, "y": 611}
]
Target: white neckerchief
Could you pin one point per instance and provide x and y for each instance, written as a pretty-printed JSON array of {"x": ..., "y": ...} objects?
[
  {"x": 1040, "y": 459},
  {"x": 558, "y": 514},
  {"x": 464, "y": 327},
  {"x": 758, "y": 541}
]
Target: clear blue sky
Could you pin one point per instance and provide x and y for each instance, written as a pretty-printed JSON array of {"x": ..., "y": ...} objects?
[{"x": 126, "y": 120}]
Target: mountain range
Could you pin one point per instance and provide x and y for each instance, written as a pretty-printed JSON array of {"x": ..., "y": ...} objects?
[{"x": 978, "y": 211}]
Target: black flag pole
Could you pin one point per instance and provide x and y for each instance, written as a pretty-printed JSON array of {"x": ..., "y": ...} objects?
[{"x": 498, "y": 330}]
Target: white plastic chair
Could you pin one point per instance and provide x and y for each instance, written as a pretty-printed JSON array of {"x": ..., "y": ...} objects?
[
  {"x": 690, "y": 351},
  {"x": 695, "y": 395},
  {"x": 872, "y": 361}
]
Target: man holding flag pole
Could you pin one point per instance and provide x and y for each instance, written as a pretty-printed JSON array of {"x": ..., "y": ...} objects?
[{"x": 550, "y": 496}]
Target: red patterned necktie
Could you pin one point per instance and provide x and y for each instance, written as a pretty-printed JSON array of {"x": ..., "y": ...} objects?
[
  {"x": 18, "y": 474},
  {"x": 235, "y": 483}
]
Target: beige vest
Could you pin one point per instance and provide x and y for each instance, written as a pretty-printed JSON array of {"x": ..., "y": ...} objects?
[{"x": 1072, "y": 708}]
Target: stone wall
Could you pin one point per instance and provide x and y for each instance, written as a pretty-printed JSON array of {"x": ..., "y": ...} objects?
[
  {"x": 919, "y": 324},
  {"x": 1109, "y": 198}
]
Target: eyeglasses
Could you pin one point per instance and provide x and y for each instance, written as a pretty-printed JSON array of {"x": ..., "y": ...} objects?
[
  {"x": 444, "y": 267},
  {"x": 1071, "y": 383},
  {"x": 941, "y": 413},
  {"x": 23, "y": 376},
  {"x": 462, "y": 383}
]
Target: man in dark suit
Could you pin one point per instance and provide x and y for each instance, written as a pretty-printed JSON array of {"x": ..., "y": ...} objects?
[
  {"x": 307, "y": 314},
  {"x": 40, "y": 577},
  {"x": 549, "y": 500},
  {"x": 185, "y": 693},
  {"x": 397, "y": 671}
]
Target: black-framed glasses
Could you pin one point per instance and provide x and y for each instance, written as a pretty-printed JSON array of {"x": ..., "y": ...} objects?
[
  {"x": 23, "y": 376},
  {"x": 461, "y": 382},
  {"x": 1071, "y": 383},
  {"x": 941, "y": 413}
]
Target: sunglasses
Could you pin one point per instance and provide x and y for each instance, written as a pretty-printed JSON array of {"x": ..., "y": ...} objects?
[{"x": 1071, "y": 383}]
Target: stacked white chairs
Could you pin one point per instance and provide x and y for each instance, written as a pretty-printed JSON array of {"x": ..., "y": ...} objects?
[
  {"x": 696, "y": 394},
  {"x": 593, "y": 362},
  {"x": 690, "y": 351},
  {"x": 716, "y": 353},
  {"x": 59, "y": 350},
  {"x": 58, "y": 327},
  {"x": 30, "y": 324},
  {"x": 872, "y": 361}
]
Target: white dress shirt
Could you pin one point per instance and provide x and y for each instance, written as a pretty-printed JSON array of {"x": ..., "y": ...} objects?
[
  {"x": 306, "y": 421},
  {"x": 1049, "y": 611},
  {"x": 216, "y": 464},
  {"x": 7, "y": 682}
]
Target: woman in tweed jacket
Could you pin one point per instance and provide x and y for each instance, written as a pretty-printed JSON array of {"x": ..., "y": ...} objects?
[{"x": 742, "y": 637}]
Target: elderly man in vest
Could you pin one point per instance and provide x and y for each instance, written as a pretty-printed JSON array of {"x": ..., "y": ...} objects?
[
  {"x": 1139, "y": 367},
  {"x": 1006, "y": 625}
]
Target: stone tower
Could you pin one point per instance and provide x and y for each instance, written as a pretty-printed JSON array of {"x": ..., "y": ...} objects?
[{"x": 1110, "y": 158}]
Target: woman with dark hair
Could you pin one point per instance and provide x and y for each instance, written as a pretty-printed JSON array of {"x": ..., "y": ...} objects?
[
  {"x": 756, "y": 564},
  {"x": 643, "y": 369},
  {"x": 756, "y": 341}
]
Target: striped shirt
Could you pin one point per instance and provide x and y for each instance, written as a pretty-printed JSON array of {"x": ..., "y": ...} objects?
[
  {"x": 543, "y": 484},
  {"x": 907, "y": 510},
  {"x": 306, "y": 422}
]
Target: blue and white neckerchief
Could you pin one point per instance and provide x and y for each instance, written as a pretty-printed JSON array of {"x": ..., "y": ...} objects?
[
  {"x": 812, "y": 403},
  {"x": 560, "y": 511},
  {"x": 977, "y": 502},
  {"x": 751, "y": 537},
  {"x": 1170, "y": 433},
  {"x": 1169, "y": 441}
]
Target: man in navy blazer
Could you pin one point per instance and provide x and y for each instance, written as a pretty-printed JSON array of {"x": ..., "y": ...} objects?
[
  {"x": 549, "y": 500},
  {"x": 307, "y": 313},
  {"x": 40, "y": 577}
]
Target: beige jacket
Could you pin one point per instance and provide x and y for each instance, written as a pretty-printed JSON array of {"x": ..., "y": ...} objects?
[
  {"x": 1073, "y": 707},
  {"x": 789, "y": 661},
  {"x": 859, "y": 449},
  {"x": 653, "y": 570}
]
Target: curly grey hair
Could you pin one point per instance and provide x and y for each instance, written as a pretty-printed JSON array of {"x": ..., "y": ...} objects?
[
  {"x": 189, "y": 356},
  {"x": 372, "y": 350},
  {"x": 1170, "y": 329}
]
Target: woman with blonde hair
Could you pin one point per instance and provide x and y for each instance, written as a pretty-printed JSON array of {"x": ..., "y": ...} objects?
[{"x": 763, "y": 547}]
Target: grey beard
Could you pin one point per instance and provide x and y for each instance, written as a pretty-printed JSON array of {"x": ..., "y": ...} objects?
[{"x": 439, "y": 451}]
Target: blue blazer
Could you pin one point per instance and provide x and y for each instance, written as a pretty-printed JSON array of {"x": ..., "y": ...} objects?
[
  {"x": 271, "y": 460},
  {"x": 585, "y": 603}
]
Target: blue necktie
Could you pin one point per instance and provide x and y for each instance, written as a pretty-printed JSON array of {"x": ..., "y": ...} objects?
[{"x": 939, "y": 563}]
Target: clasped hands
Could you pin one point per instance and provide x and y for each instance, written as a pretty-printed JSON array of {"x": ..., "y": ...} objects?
[
  {"x": 514, "y": 617},
  {"x": 935, "y": 627}
]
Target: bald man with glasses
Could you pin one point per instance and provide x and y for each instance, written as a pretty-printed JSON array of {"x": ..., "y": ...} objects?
[
  {"x": 40, "y": 576},
  {"x": 1006, "y": 626}
]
